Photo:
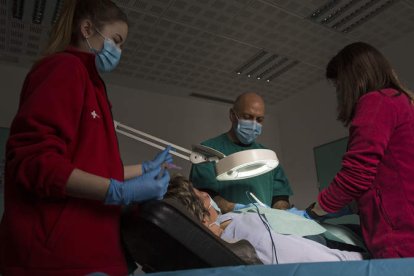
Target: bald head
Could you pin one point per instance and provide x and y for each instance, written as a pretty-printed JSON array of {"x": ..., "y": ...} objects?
[
  {"x": 249, "y": 102},
  {"x": 248, "y": 107}
]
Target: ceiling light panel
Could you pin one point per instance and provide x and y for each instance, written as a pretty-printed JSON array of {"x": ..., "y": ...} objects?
[
  {"x": 35, "y": 11},
  {"x": 395, "y": 21},
  {"x": 17, "y": 9},
  {"x": 39, "y": 11},
  {"x": 345, "y": 16},
  {"x": 266, "y": 66},
  {"x": 57, "y": 10}
]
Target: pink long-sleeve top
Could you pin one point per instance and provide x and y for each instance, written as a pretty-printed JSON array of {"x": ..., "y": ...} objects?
[{"x": 378, "y": 172}]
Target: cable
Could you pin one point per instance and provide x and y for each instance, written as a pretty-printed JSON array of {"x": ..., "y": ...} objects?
[{"x": 266, "y": 224}]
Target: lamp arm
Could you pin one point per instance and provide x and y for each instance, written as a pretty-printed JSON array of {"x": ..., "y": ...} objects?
[
  {"x": 135, "y": 134},
  {"x": 199, "y": 154}
]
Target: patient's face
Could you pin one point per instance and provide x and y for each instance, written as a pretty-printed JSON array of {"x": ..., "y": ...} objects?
[{"x": 205, "y": 198}]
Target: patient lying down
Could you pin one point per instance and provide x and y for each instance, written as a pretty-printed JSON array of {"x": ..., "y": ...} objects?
[{"x": 249, "y": 226}]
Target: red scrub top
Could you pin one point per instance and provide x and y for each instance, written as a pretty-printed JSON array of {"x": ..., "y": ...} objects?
[{"x": 64, "y": 121}]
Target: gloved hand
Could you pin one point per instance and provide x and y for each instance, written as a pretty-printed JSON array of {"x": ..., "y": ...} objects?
[
  {"x": 301, "y": 213},
  {"x": 238, "y": 206},
  {"x": 142, "y": 188},
  {"x": 347, "y": 210},
  {"x": 162, "y": 157}
]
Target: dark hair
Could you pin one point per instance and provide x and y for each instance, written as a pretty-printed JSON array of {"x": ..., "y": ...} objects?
[
  {"x": 66, "y": 30},
  {"x": 181, "y": 189},
  {"x": 357, "y": 69}
]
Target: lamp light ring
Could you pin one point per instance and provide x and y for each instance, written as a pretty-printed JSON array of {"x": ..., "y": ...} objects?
[{"x": 246, "y": 164}]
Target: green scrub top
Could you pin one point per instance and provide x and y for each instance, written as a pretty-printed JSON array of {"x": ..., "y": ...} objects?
[{"x": 264, "y": 187}]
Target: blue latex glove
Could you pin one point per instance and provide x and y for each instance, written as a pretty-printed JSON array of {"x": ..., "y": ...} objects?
[
  {"x": 238, "y": 206},
  {"x": 161, "y": 158},
  {"x": 301, "y": 213},
  {"x": 142, "y": 188}
]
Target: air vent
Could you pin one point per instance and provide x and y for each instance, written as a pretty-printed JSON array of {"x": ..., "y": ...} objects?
[
  {"x": 265, "y": 66},
  {"x": 211, "y": 98},
  {"x": 57, "y": 11},
  {"x": 38, "y": 11},
  {"x": 344, "y": 16},
  {"x": 17, "y": 9}
]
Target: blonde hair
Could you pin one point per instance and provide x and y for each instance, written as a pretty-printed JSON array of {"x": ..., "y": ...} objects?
[
  {"x": 61, "y": 34},
  {"x": 66, "y": 31},
  {"x": 181, "y": 189}
]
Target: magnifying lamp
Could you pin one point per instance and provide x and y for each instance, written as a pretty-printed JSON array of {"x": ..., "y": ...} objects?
[{"x": 239, "y": 165}]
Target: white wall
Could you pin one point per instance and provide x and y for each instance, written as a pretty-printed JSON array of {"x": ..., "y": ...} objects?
[
  {"x": 308, "y": 120},
  {"x": 182, "y": 121},
  {"x": 11, "y": 81}
]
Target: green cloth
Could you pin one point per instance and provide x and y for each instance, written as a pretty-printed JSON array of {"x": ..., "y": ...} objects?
[
  {"x": 284, "y": 222},
  {"x": 264, "y": 187}
]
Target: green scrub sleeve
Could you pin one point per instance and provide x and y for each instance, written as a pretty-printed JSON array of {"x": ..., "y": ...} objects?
[
  {"x": 203, "y": 176},
  {"x": 281, "y": 184}
]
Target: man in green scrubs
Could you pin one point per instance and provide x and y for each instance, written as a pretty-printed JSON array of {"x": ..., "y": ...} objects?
[{"x": 272, "y": 188}]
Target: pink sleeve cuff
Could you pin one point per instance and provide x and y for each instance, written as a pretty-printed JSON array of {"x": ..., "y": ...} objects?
[{"x": 322, "y": 200}]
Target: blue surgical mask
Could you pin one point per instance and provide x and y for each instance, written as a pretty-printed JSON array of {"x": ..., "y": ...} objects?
[
  {"x": 247, "y": 130},
  {"x": 214, "y": 205},
  {"x": 108, "y": 58}
]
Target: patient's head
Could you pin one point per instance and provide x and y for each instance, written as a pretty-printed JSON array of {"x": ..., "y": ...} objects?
[
  {"x": 181, "y": 189},
  {"x": 195, "y": 201}
]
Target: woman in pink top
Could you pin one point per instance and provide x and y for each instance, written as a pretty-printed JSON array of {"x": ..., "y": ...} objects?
[{"x": 378, "y": 167}]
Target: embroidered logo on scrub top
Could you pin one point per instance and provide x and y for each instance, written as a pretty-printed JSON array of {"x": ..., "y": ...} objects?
[{"x": 95, "y": 115}]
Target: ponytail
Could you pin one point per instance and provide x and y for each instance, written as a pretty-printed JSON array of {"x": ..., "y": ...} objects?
[
  {"x": 66, "y": 30},
  {"x": 61, "y": 34}
]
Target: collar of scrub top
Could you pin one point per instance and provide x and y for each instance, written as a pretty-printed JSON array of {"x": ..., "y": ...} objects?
[{"x": 239, "y": 165}]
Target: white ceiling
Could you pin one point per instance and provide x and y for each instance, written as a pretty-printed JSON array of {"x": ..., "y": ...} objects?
[{"x": 184, "y": 47}]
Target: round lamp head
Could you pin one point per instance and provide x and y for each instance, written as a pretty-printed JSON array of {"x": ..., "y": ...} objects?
[{"x": 246, "y": 164}]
